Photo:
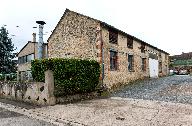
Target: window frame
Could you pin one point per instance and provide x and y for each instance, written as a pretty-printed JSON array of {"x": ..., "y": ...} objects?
[
  {"x": 113, "y": 60},
  {"x": 143, "y": 64},
  {"x": 129, "y": 42},
  {"x": 130, "y": 66},
  {"x": 142, "y": 48},
  {"x": 113, "y": 36},
  {"x": 160, "y": 67}
]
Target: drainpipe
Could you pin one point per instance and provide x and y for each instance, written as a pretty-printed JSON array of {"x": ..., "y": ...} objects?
[
  {"x": 102, "y": 58},
  {"x": 40, "y": 43}
]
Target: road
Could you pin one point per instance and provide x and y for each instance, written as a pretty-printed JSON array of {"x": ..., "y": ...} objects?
[
  {"x": 8, "y": 118},
  {"x": 176, "y": 89}
]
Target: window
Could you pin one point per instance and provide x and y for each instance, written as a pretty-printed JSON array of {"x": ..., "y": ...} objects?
[
  {"x": 130, "y": 63},
  {"x": 143, "y": 48},
  {"x": 30, "y": 57},
  {"x": 113, "y": 36},
  {"x": 129, "y": 42},
  {"x": 25, "y": 59},
  {"x": 160, "y": 67},
  {"x": 159, "y": 54},
  {"x": 143, "y": 64},
  {"x": 113, "y": 60}
]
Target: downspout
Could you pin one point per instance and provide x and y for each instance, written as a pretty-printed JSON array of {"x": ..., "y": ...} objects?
[{"x": 102, "y": 58}]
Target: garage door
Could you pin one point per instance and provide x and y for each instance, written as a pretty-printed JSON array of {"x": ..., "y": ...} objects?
[{"x": 153, "y": 68}]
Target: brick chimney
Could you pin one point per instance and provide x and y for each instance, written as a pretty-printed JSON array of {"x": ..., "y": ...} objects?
[{"x": 34, "y": 37}]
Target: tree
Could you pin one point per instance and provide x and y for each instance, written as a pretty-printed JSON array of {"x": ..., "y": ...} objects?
[{"x": 7, "y": 65}]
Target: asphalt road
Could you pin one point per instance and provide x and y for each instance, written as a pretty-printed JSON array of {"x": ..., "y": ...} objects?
[
  {"x": 176, "y": 89},
  {"x": 8, "y": 118}
]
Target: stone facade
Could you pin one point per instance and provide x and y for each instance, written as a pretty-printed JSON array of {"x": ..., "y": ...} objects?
[
  {"x": 79, "y": 36},
  {"x": 75, "y": 37}
]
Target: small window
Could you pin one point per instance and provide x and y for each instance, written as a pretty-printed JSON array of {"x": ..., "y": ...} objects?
[
  {"x": 142, "y": 48},
  {"x": 23, "y": 59},
  {"x": 159, "y": 54},
  {"x": 113, "y": 36},
  {"x": 160, "y": 67},
  {"x": 113, "y": 60},
  {"x": 143, "y": 64},
  {"x": 129, "y": 42},
  {"x": 130, "y": 63},
  {"x": 28, "y": 58}
]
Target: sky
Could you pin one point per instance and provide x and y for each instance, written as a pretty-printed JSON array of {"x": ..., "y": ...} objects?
[{"x": 166, "y": 24}]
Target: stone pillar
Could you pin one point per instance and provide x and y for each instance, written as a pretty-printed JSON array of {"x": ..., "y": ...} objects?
[
  {"x": 22, "y": 76},
  {"x": 49, "y": 82},
  {"x": 5, "y": 79}
]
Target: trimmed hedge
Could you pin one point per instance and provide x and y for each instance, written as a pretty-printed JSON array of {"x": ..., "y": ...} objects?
[{"x": 71, "y": 76}]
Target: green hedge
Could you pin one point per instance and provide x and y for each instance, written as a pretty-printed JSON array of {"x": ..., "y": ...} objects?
[{"x": 71, "y": 76}]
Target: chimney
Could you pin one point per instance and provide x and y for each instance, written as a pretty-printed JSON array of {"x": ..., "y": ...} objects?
[
  {"x": 40, "y": 43},
  {"x": 34, "y": 37}
]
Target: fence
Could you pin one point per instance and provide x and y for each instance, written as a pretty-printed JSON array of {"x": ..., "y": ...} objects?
[{"x": 40, "y": 93}]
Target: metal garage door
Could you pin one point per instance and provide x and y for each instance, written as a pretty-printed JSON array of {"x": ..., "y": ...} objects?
[{"x": 153, "y": 68}]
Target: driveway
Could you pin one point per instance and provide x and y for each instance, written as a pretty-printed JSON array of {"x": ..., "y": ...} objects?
[
  {"x": 176, "y": 88},
  {"x": 118, "y": 111}
]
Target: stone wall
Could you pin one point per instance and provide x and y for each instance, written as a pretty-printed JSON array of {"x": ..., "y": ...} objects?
[
  {"x": 40, "y": 93},
  {"x": 78, "y": 36},
  {"x": 74, "y": 36},
  {"x": 122, "y": 75}
]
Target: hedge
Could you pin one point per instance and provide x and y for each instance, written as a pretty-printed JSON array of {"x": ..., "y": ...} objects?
[{"x": 71, "y": 76}]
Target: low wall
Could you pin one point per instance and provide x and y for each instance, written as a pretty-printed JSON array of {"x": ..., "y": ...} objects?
[
  {"x": 40, "y": 93},
  {"x": 77, "y": 97}
]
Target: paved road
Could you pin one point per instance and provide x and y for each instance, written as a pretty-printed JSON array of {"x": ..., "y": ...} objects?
[
  {"x": 173, "y": 88},
  {"x": 8, "y": 118}
]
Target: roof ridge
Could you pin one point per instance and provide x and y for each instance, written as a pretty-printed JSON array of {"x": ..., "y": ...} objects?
[{"x": 105, "y": 24}]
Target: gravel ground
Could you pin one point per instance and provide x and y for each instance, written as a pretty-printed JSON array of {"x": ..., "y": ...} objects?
[{"x": 173, "y": 88}]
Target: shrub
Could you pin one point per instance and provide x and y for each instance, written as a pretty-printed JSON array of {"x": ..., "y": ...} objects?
[
  {"x": 71, "y": 76},
  {"x": 2, "y": 77}
]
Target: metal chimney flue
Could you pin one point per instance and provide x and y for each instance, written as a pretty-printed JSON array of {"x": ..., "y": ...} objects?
[
  {"x": 40, "y": 43},
  {"x": 34, "y": 37}
]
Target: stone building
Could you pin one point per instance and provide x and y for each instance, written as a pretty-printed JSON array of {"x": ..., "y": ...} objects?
[
  {"x": 123, "y": 57},
  {"x": 28, "y": 53}
]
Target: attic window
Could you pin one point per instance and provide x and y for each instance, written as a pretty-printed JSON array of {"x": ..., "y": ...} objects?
[
  {"x": 113, "y": 36},
  {"x": 142, "y": 48},
  {"x": 159, "y": 54},
  {"x": 129, "y": 42}
]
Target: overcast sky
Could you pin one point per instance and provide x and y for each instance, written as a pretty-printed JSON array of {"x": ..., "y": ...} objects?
[{"x": 166, "y": 24}]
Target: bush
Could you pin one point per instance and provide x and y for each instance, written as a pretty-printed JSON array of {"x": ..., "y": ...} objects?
[
  {"x": 71, "y": 76},
  {"x": 10, "y": 77},
  {"x": 2, "y": 77}
]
